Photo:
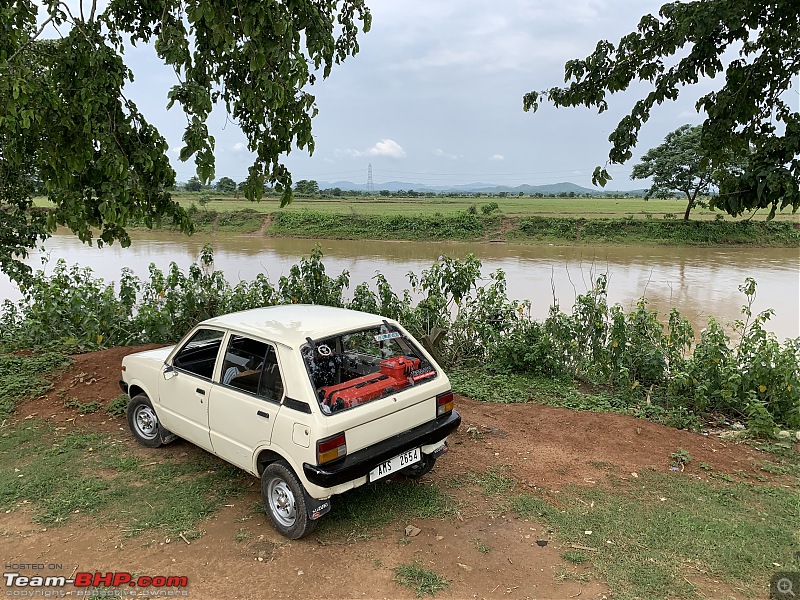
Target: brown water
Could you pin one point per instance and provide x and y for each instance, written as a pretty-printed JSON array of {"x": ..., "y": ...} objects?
[{"x": 700, "y": 282}]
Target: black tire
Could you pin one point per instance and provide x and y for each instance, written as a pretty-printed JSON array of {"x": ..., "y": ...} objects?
[
  {"x": 143, "y": 421},
  {"x": 285, "y": 502},
  {"x": 419, "y": 469}
]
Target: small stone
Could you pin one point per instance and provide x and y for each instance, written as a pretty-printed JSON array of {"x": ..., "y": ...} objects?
[
  {"x": 260, "y": 559},
  {"x": 634, "y": 474},
  {"x": 588, "y": 532},
  {"x": 541, "y": 543},
  {"x": 439, "y": 538},
  {"x": 300, "y": 573},
  {"x": 412, "y": 531},
  {"x": 467, "y": 568}
]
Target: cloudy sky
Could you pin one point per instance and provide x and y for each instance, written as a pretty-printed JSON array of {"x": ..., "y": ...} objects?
[{"x": 435, "y": 97}]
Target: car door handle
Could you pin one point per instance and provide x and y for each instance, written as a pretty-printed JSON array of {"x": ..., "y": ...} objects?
[
  {"x": 261, "y": 413},
  {"x": 201, "y": 391}
]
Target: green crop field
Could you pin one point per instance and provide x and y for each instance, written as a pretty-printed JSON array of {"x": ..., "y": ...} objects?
[{"x": 602, "y": 208}]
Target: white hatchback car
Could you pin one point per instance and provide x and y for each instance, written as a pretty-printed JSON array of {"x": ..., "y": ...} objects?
[{"x": 313, "y": 400}]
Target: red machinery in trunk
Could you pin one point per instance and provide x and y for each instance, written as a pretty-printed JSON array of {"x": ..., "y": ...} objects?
[{"x": 395, "y": 374}]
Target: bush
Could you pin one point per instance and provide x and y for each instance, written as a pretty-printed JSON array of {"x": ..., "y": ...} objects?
[{"x": 462, "y": 317}]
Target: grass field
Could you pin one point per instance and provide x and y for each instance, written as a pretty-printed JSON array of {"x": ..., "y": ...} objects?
[{"x": 510, "y": 207}]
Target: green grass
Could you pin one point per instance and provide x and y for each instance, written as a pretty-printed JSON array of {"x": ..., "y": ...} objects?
[
  {"x": 664, "y": 528},
  {"x": 359, "y": 512},
  {"x": 576, "y": 557},
  {"x": 513, "y": 206},
  {"x": 537, "y": 220},
  {"x": 494, "y": 481},
  {"x": 23, "y": 377},
  {"x": 422, "y": 581},
  {"x": 119, "y": 405},
  {"x": 62, "y": 475},
  {"x": 510, "y": 388}
]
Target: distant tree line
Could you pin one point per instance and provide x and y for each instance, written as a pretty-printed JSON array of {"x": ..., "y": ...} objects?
[{"x": 309, "y": 188}]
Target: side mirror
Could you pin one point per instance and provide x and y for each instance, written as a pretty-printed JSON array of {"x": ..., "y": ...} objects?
[{"x": 169, "y": 372}]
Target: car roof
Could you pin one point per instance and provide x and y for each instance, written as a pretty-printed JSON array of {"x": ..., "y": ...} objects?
[{"x": 291, "y": 324}]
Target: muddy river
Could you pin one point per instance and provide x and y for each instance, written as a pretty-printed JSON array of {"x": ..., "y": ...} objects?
[{"x": 700, "y": 282}]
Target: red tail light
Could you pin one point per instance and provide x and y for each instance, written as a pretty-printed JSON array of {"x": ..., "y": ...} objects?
[
  {"x": 331, "y": 448},
  {"x": 444, "y": 403}
]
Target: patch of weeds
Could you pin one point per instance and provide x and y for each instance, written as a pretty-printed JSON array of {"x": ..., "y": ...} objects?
[
  {"x": 23, "y": 377},
  {"x": 403, "y": 541},
  {"x": 505, "y": 388},
  {"x": 242, "y": 535},
  {"x": 493, "y": 481},
  {"x": 576, "y": 557},
  {"x": 119, "y": 405},
  {"x": 454, "y": 481},
  {"x": 732, "y": 531},
  {"x": 722, "y": 476},
  {"x": 377, "y": 563},
  {"x": 775, "y": 469},
  {"x": 371, "y": 506},
  {"x": 62, "y": 474},
  {"x": 422, "y": 581},
  {"x": 706, "y": 467},
  {"x": 783, "y": 449},
  {"x": 564, "y": 574},
  {"x": 680, "y": 458},
  {"x": 482, "y": 547},
  {"x": 84, "y": 408}
]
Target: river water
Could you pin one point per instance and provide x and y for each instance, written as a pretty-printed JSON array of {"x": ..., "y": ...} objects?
[{"x": 700, "y": 282}]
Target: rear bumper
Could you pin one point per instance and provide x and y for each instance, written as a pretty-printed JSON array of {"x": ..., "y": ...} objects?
[{"x": 360, "y": 463}]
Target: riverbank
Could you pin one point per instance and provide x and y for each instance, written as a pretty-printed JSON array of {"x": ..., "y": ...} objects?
[{"x": 467, "y": 226}]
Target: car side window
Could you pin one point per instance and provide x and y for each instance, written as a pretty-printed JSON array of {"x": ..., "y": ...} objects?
[
  {"x": 199, "y": 354},
  {"x": 251, "y": 366}
]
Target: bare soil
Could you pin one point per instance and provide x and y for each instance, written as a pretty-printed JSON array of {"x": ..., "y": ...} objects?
[{"x": 537, "y": 446}]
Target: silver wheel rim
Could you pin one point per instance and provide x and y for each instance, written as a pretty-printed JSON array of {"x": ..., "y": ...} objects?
[
  {"x": 281, "y": 502},
  {"x": 146, "y": 422}
]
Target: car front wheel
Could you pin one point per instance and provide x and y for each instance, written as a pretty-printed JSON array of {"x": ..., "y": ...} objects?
[
  {"x": 143, "y": 421},
  {"x": 284, "y": 501}
]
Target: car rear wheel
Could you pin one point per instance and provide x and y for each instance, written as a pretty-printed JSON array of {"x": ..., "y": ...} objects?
[
  {"x": 143, "y": 421},
  {"x": 284, "y": 501}
]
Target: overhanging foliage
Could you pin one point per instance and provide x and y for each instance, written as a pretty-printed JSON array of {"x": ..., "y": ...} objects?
[{"x": 748, "y": 115}]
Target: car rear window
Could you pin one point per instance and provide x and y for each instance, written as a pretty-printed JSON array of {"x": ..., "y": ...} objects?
[{"x": 355, "y": 368}]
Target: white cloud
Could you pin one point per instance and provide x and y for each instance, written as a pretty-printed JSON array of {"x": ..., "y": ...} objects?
[
  {"x": 239, "y": 146},
  {"x": 387, "y": 147},
  {"x": 176, "y": 150},
  {"x": 443, "y": 154},
  {"x": 497, "y": 157}
]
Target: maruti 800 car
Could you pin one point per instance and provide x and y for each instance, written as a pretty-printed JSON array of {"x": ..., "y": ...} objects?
[{"x": 313, "y": 400}]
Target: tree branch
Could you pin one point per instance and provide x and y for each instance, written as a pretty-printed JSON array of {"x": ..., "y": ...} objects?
[{"x": 30, "y": 40}]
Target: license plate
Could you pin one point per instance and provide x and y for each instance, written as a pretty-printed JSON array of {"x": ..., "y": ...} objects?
[{"x": 401, "y": 461}]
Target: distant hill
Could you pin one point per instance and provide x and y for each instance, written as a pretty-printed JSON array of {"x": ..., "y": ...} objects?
[{"x": 480, "y": 187}]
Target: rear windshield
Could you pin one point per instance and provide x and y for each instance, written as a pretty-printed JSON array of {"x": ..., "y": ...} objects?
[{"x": 358, "y": 367}]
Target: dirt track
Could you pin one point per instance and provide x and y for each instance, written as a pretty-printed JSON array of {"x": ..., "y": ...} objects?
[{"x": 538, "y": 446}]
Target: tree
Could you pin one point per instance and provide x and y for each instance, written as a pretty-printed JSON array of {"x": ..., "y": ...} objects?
[
  {"x": 193, "y": 185},
  {"x": 306, "y": 187},
  {"x": 225, "y": 185},
  {"x": 677, "y": 166},
  {"x": 65, "y": 117},
  {"x": 747, "y": 115}
]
